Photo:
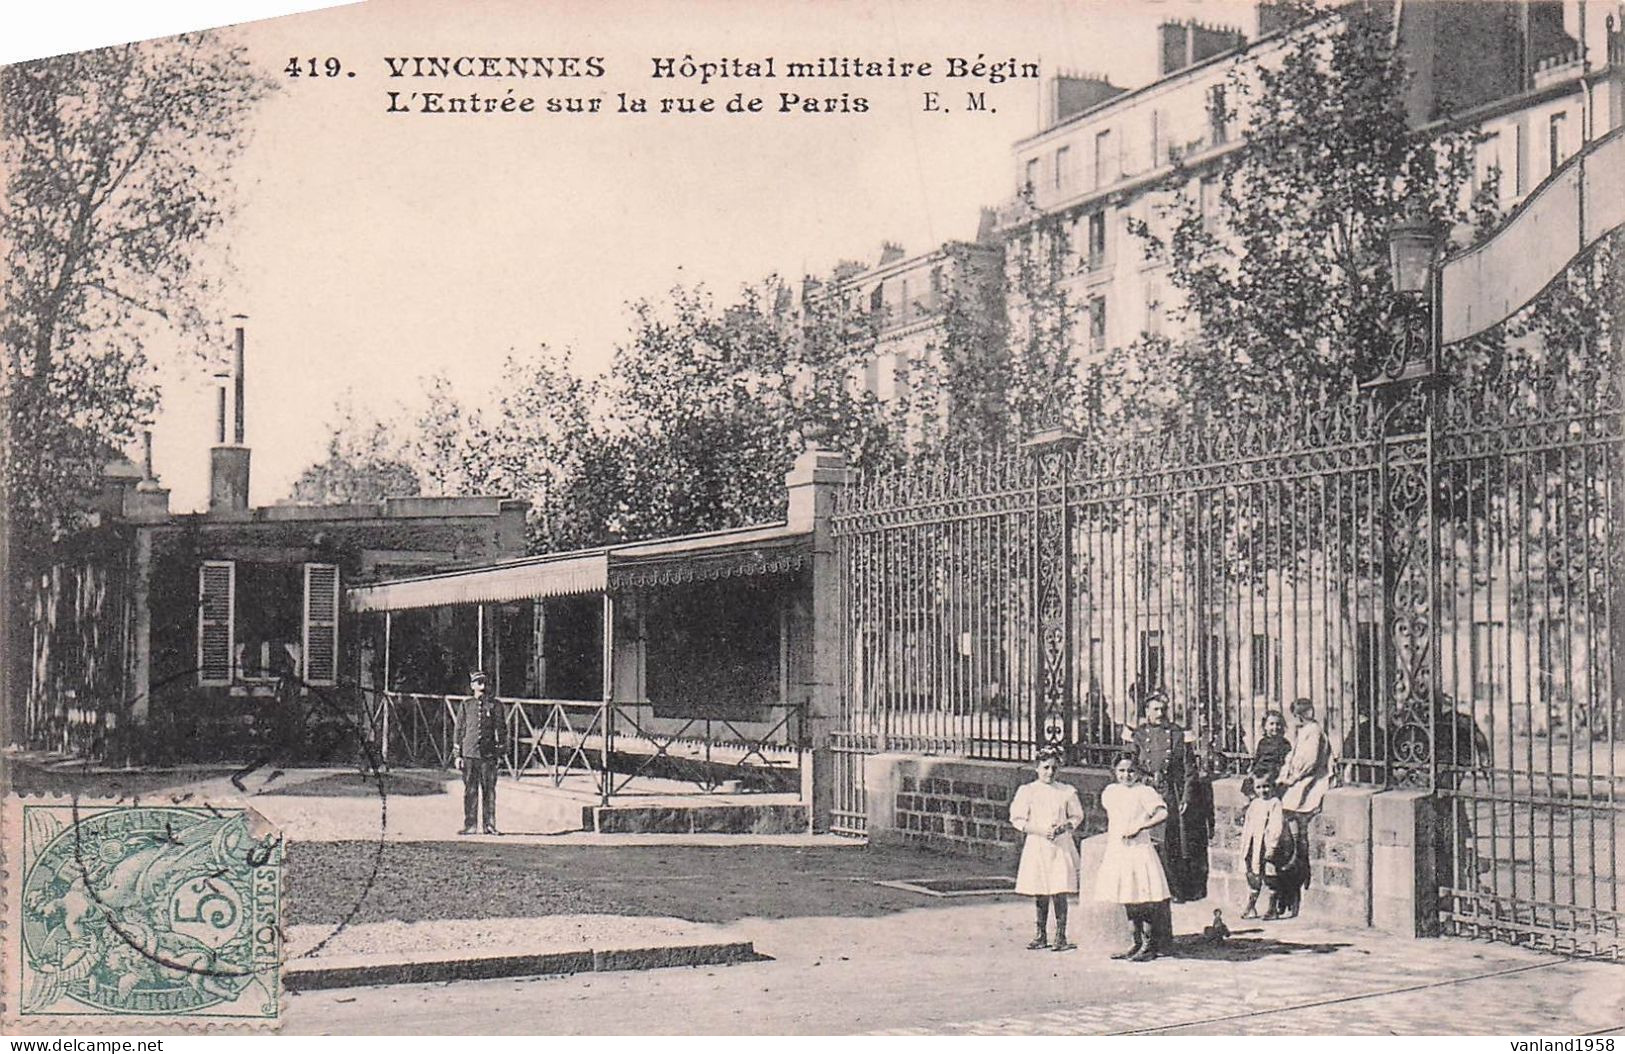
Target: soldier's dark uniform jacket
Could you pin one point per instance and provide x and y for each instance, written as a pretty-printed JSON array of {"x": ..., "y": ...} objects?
[
  {"x": 1166, "y": 756},
  {"x": 481, "y": 732}
]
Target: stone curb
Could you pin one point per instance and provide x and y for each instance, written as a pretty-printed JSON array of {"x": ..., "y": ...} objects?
[{"x": 310, "y": 978}]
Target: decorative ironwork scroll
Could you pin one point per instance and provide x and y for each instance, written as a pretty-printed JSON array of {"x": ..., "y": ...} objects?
[
  {"x": 1407, "y": 398},
  {"x": 1055, "y": 716}
]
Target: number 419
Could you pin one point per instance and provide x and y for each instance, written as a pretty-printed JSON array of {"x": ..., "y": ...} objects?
[{"x": 329, "y": 67}]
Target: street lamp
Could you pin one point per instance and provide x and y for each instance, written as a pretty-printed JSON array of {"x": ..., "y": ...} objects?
[{"x": 1413, "y": 245}]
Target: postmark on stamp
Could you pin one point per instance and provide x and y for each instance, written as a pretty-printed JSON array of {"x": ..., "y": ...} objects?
[{"x": 133, "y": 910}]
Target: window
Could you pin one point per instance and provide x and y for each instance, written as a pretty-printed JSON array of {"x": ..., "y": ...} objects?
[
  {"x": 1519, "y": 168},
  {"x": 1367, "y": 667},
  {"x": 1151, "y": 660},
  {"x": 1061, "y": 161},
  {"x": 877, "y": 297},
  {"x": 1153, "y": 310},
  {"x": 1032, "y": 173},
  {"x": 1097, "y": 240},
  {"x": 1207, "y": 202},
  {"x": 1218, "y": 117},
  {"x": 1489, "y": 167},
  {"x": 321, "y": 635},
  {"x": 1156, "y": 138},
  {"x": 1105, "y": 163},
  {"x": 1097, "y": 324},
  {"x": 217, "y": 600},
  {"x": 1261, "y": 664},
  {"x": 1486, "y": 654},
  {"x": 1547, "y": 645},
  {"x": 1554, "y": 142},
  {"x": 268, "y": 625}
]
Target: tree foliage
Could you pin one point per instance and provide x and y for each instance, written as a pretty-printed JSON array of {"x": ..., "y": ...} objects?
[
  {"x": 693, "y": 429},
  {"x": 708, "y": 406},
  {"x": 1286, "y": 284},
  {"x": 364, "y": 463},
  {"x": 119, "y": 168}
]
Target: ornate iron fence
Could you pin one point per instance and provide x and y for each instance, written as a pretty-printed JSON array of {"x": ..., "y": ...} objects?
[
  {"x": 1439, "y": 569},
  {"x": 998, "y": 603}
]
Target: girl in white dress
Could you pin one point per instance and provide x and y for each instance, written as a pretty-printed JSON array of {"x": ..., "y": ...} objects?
[
  {"x": 1131, "y": 873},
  {"x": 1047, "y": 813}
]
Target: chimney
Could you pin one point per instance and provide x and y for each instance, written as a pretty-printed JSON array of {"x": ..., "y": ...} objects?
[
  {"x": 1074, "y": 92},
  {"x": 1182, "y": 44},
  {"x": 149, "y": 502},
  {"x": 228, "y": 464}
]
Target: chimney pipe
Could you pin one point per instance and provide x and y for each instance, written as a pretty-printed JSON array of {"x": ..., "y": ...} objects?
[
  {"x": 228, "y": 464},
  {"x": 239, "y": 356},
  {"x": 220, "y": 411},
  {"x": 146, "y": 454}
]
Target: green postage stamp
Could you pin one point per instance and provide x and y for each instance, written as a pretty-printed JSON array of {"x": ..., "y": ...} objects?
[{"x": 133, "y": 910}]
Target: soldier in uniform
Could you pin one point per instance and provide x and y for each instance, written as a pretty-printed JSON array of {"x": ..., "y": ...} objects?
[
  {"x": 1165, "y": 755},
  {"x": 481, "y": 739}
]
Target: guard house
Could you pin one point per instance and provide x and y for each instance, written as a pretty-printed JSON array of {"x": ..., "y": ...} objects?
[
  {"x": 162, "y": 637},
  {"x": 708, "y": 639}
]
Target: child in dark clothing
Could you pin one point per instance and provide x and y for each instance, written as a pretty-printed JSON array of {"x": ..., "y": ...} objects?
[{"x": 1273, "y": 747}]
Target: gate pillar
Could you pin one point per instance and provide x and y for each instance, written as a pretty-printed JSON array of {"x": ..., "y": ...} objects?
[
  {"x": 1054, "y": 715},
  {"x": 1406, "y": 393}
]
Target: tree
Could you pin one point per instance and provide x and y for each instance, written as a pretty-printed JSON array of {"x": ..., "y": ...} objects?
[
  {"x": 119, "y": 168},
  {"x": 1286, "y": 283},
  {"x": 364, "y": 464},
  {"x": 708, "y": 407}
]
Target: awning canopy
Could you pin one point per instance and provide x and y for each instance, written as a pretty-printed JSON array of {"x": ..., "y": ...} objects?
[
  {"x": 768, "y": 549},
  {"x": 487, "y": 585}
]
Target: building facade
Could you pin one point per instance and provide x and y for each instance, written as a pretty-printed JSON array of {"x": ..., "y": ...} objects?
[
  {"x": 164, "y": 637},
  {"x": 1535, "y": 78}
]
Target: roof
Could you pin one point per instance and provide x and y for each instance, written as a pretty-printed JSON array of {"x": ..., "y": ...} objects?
[{"x": 764, "y": 549}]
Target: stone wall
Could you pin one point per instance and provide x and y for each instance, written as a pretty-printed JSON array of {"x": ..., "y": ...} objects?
[
  {"x": 1340, "y": 852},
  {"x": 953, "y": 805},
  {"x": 1374, "y": 855}
]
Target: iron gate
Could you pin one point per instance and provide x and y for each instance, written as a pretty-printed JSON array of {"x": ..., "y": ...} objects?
[{"x": 1437, "y": 566}]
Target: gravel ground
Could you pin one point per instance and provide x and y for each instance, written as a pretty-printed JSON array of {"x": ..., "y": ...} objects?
[
  {"x": 418, "y": 881},
  {"x": 490, "y": 937},
  {"x": 95, "y": 783}
]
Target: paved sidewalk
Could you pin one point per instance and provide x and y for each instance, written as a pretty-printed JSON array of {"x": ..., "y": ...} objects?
[{"x": 964, "y": 969}]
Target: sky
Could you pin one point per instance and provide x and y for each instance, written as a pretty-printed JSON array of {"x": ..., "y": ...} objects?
[{"x": 370, "y": 249}]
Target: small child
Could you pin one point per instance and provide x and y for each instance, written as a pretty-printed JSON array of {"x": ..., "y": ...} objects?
[
  {"x": 1047, "y": 813},
  {"x": 1262, "y": 827},
  {"x": 1270, "y": 851},
  {"x": 1131, "y": 872},
  {"x": 1273, "y": 747}
]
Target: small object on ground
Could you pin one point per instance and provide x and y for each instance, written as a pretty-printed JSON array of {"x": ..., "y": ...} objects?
[{"x": 1218, "y": 931}]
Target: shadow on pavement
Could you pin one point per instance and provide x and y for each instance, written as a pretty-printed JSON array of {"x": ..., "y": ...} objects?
[{"x": 1238, "y": 948}]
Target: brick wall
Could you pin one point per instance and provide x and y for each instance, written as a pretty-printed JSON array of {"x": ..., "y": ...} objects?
[{"x": 962, "y": 807}]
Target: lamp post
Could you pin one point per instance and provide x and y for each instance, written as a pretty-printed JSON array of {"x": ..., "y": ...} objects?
[{"x": 1405, "y": 389}]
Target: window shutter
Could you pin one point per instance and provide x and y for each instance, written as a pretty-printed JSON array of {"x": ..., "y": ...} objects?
[
  {"x": 217, "y": 608},
  {"x": 321, "y": 624}
]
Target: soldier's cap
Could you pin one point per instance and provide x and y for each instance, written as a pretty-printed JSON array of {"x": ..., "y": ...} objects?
[{"x": 476, "y": 677}]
